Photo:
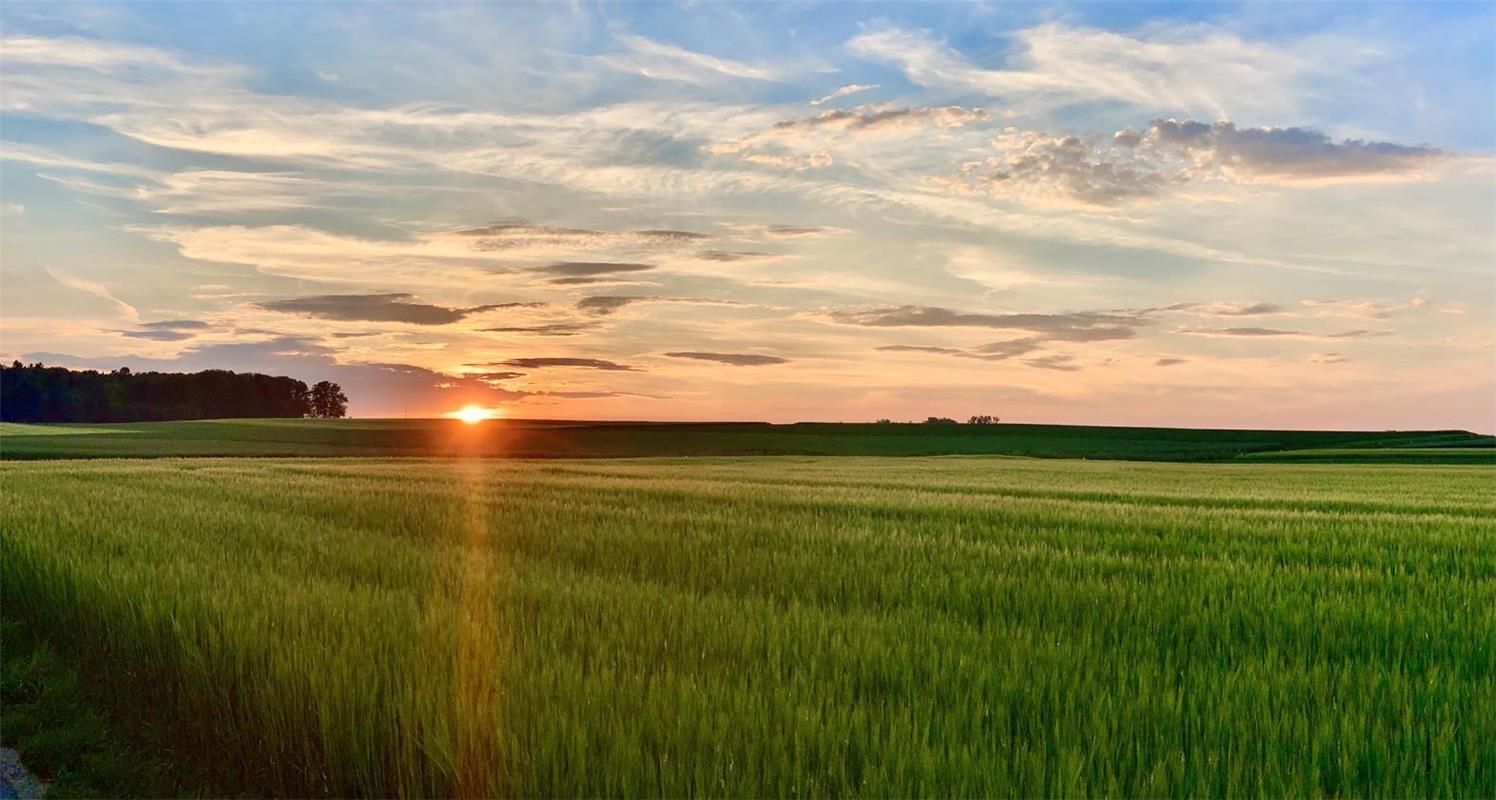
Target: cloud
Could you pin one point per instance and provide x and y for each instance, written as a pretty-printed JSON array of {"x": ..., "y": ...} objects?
[
  {"x": 171, "y": 330},
  {"x": 1133, "y": 166},
  {"x": 583, "y": 272},
  {"x": 379, "y": 308},
  {"x": 1196, "y": 67},
  {"x": 731, "y": 255},
  {"x": 568, "y": 268},
  {"x": 1327, "y": 358},
  {"x": 158, "y": 336},
  {"x": 493, "y": 377},
  {"x": 1168, "y": 362},
  {"x": 790, "y": 162},
  {"x": 603, "y": 305},
  {"x": 1040, "y": 166},
  {"x": 89, "y": 54},
  {"x": 994, "y": 351},
  {"x": 1257, "y": 332},
  {"x": 580, "y": 363},
  {"x": 1058, "y": 362},
  {"x": 521, "y": 235},
  {"x": 798, "y": 230},
  {"x": 1084, "y": 326},
  {"x": 227, "y": 191},
  {"x": 1224, "y": 309},
  {"x": 1289, "y": 154},
  {"x": 920, "y": 348},
  {"x": 176, "y": 325},
  {"x": 849, "y": 89},
  {"x": 1370, "y": 309},
  {"x": 785, "y": 143},
  {"x": 883, "y": 117},
  {"x": 667, "y": 62},
  {"x": 592, "y": 280},
  {"x": 1248, "y": 332},
  {"x": 96, "y": 289},
  {"x": 546, "y": 329},
  {"x": 734, "y": 359},
  {"x": 782, "y": 231}
]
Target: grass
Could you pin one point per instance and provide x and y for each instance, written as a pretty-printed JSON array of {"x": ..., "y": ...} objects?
[
  {"x": 46, "y": 712},
  {"x": 561, "y": 439},
  {"x": 802, "y": 627},
  {"x": 10, "y": 429},
  {"x": 1378, "y": 455}
]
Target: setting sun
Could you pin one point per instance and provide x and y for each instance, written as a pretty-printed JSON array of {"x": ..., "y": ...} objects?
[{"x": 473, "y": 415}]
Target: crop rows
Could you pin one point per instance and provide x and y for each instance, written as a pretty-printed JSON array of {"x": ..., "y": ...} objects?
[{"x": 777, "y": 626}]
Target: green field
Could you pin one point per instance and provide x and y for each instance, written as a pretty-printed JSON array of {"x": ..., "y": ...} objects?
[
  {"x": 563, "y": 439},
  {"x": 810, "y": 627}
]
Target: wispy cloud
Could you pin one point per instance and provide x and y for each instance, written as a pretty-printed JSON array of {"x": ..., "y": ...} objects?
[
  {"x": 1058, "y": 362},
  {"x": 96, "y": 289},
  {"x": 580, "y": 272},
  {"x": 1259, "y": 332},
  {"x": 546, "y": 329},
  {"x": 391, "y": 307},
  {"x": 668, "y": 62},
  {"x": 519, "y": 235},
  {"x": 1196, "y": 68},
  {"x": 993, "y": 351},
  {"x": 172, "y": 330},
  {"x": 1327, "y": 358},
  {"x": 732, "y": 359},
  {"x": 731, "y": 255},
  {"x": 1075, "y": 326},
  {"x": 849, "y": 89},
  {"x": 562, "y": 361}
]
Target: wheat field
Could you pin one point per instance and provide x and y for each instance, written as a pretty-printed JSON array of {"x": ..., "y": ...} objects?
[{"x": 807, "y": 627}]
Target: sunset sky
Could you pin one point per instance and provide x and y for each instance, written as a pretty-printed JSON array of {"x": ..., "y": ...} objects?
[{"x": 1200, "y": 215}]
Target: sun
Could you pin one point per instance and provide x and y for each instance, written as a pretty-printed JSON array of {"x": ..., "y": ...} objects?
[{"x": 473, "y": 415}]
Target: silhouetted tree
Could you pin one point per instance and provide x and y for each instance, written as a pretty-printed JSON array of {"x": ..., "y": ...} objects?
[
  {"x": 939, "y": 421},
  {"x": 37, "y": 393},
  {"x": 328, "y": 401},
  {"x": 982, "y": 419}
]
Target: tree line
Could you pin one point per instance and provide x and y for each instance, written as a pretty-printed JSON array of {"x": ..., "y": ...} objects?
[
  {"x": 38, "y": 393},
  {"x": 977, "y": 419}
]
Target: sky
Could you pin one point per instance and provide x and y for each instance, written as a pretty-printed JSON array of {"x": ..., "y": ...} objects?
[{"x": 1234, "y": 215}]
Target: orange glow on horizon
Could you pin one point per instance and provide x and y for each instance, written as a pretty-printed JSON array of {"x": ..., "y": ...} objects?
[{"x": 472, "y": 415}]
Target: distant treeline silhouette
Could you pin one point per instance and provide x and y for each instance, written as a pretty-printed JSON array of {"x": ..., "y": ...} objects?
[{"x": 38, "y": 393}]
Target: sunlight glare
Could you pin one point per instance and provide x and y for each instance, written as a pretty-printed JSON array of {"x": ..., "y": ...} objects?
[{"x": 473, "y": 415}]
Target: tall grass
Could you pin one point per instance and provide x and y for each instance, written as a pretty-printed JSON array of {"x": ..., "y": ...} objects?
[{"x": 785, "y": 627}]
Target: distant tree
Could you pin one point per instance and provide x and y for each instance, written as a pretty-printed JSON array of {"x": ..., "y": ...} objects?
[
  {"x": 328, "y": 401},
  {"x": 982, "y": 419},
  {"x": 939, "y": 421},
  {"x": 885, "y": 421},
  {"x": 38, "y": 393}
]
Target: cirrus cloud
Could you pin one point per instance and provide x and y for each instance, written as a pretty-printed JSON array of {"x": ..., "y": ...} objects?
[
  {"x": 733, "y": 359},
  {"x": 1080, "y": 326},
  {"x": 391, "y": 307}
]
